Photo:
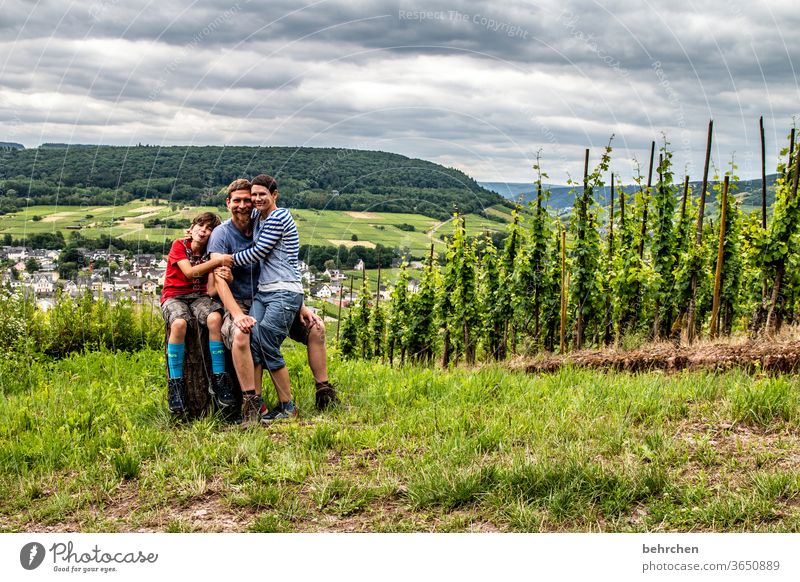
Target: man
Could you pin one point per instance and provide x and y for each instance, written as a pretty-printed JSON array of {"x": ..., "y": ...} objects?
[{"x": 234, "y": 235}]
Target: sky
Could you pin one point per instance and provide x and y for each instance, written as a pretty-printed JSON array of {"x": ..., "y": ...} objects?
[{"x": 482, "y": 87}]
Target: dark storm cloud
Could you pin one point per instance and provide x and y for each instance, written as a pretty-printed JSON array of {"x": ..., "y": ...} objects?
[{"x": 447, "y": 81}]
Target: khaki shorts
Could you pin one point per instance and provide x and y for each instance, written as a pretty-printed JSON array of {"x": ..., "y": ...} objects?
[
  {"x": 194, "y": 306},
  {"x": 298, "y": 332}
]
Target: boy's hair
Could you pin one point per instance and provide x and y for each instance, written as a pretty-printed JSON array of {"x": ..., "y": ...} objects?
[
  {"x": 238, "y": 184},
  {"x": 267, "y": 181},
  {"x": 207, "y": 219}
]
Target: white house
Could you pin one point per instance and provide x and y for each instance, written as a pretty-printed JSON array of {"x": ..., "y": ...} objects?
[
  {"x": 43, "y": 285},
  {"x": 323, "y": 292},
  {"x": 308, "y": 277},
  {"x": 335, "y": 274}
]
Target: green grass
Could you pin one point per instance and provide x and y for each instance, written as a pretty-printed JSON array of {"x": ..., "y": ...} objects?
[
  {"x": 86, "y": 444},
  {"x": 316, "y": 227}
]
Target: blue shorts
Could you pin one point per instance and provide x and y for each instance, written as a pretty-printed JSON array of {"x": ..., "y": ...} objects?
[{"x": 275, "y": 312}]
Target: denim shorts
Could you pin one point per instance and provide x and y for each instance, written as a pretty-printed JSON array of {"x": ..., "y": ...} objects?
[
  {"x": 298, "y": 332},
  {"x": 275, "y": 312}
]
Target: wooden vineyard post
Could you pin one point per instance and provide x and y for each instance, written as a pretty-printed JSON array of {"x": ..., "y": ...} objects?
[
  {"x": 339, "y": 314},
  {"x": 608, "y": 325},
  {"x": 773, "y": 317},
  {"x": 642, "y": 236},
  {"x": 563, "y": 327},
  {"x": 583, "y": 224},
  {"x": 764, "y": 174},
  {"x": 690, "y": 324},
  {"x": 720, "y": 259}
]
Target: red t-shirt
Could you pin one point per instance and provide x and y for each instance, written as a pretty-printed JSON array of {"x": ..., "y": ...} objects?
[{"x": 175, "y": 282}]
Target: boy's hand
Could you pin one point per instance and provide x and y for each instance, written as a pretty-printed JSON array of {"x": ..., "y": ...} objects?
[
  {"x": 244, "y": 322},
  {"x": 224, "y": 273},
  {"x": 226, "y": 260}
]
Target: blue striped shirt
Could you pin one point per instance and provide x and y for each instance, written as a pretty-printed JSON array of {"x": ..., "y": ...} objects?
[{"x": 276, "y": 245}]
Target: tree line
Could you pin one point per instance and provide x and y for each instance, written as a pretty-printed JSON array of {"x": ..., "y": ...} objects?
[{"x": 320, "y": 178}]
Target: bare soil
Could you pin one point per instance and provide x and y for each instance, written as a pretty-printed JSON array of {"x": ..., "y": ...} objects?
[{"x": 771, "y": 357}]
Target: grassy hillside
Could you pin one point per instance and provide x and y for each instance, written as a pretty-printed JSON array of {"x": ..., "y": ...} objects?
[
  {"x": 86, "y": 444},
  {"x": 317, "y": 227}
]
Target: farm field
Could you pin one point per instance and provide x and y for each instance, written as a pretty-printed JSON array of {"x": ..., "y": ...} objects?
[
  {"x": 317, "y": 227},
  {"x": 87, "y": 445}
]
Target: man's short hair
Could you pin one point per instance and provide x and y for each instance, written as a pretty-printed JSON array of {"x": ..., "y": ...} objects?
[
  {"x": 239, "y": 184},
  {"x": 207, "y": 219},
  {"x": 267, "y": 181}
]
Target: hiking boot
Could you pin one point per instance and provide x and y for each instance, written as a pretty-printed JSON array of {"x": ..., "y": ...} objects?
[
  {"x": 326, "y": 395},
  {"x": 176, "y": 392},
  {"x": 283, "y": 411},
  {"x": 253, "y": 408},
  {"x": 222, "y": 391}
]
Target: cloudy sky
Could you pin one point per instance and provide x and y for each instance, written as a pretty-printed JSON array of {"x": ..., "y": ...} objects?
[{"x": 473, "y": 85}]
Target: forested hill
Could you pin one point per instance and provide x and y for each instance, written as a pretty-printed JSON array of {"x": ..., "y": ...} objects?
[{"x": 329, "y": 178}]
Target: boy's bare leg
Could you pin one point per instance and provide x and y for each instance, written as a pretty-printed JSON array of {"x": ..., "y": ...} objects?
[
  {"x": 214, "y": 324},
  {"x": 177, "y": 331}
]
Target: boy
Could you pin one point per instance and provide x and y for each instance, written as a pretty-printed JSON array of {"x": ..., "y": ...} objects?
[{"x": 187, "y": 284}]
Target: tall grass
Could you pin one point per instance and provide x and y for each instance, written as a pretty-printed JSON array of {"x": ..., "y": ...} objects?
[
  {"x": 86, "y": 443},
  {"x": 74, "y": 325}
]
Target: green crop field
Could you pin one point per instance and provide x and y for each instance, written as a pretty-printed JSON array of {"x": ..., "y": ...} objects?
[{"x": 317, "y": 227}]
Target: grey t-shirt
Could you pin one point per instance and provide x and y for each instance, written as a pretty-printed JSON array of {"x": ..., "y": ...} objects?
[{"x": 227, "y": 239}]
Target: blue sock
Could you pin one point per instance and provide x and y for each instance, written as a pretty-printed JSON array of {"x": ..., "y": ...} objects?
[
  {"x": 217, "y": 356},
  {"x": 175, "y": 360}
]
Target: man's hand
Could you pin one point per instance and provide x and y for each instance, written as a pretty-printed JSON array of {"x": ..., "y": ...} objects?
[
  {"x": 224, "y": 273},
  {"x": 244, "y": 322},
  {"x": 308, "y": 318},
  {"x": 226, "y": 260}
]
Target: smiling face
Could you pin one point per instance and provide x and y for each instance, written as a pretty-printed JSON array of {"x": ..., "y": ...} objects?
[
  {"x": 240, "y": 204},
  {"x": 263, "y": 200}
]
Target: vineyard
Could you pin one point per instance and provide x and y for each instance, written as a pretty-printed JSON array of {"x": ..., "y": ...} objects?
[{"x": 654, "y": 267}]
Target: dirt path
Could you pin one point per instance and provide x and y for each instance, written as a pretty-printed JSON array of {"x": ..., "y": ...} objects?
[{"x": 772, "y": 357}]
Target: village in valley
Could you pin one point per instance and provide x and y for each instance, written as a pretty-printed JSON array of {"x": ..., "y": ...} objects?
[{"x": 139, "y": 277}]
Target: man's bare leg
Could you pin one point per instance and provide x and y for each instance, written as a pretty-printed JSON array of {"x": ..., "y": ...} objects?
[
  {"x": 317, "y": 353},
  {"x": 280, "y": 379},
  {"x": 243, "y": 362}
]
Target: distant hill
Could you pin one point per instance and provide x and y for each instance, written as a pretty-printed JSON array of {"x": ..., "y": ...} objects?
[
  {"x": 8, "y": 145},
  {"x": 748, "y": 192},
  {"x": 320, "y": 178}
]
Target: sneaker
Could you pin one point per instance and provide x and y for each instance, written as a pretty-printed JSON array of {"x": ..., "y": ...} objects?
[
  {"x": 326, "y": 395},
  {"x": 253, "y": 408},
  {"x": 221, "y": 389},
  {"x": 176, "y": 391},
  {"x": 283, "y": 411}
]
